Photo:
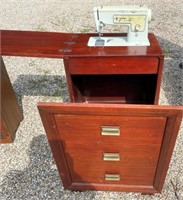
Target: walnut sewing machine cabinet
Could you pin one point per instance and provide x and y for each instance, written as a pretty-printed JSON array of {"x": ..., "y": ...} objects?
[{"x": 113, "y": 135}]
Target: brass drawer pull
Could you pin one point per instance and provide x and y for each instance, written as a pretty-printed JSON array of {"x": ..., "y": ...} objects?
[
  {"x": 112, "y": 177},
  {"x": 111, "y": 156},
  {"x": 110, "y": 130}
]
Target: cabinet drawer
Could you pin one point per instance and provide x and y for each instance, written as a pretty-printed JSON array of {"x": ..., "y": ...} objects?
[
  {"x": 88, "y": 129},
  {"x": 129, "y": 155},
  {"x": 127, "y": 176},
  {"x": 125, "y": 65}
]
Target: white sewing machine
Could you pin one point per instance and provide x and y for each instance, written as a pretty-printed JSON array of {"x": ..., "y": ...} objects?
[{"x": 135, "y": 17}]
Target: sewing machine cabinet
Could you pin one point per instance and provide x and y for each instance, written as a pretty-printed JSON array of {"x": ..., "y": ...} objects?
[
  {"x": 101, "y": 140},
  {"x": 113, "y": 135}
]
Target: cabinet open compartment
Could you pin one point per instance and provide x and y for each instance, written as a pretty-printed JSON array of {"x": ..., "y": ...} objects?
[{"x": 121, "y": 89}]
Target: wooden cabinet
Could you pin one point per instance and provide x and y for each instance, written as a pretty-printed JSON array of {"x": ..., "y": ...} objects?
[
  {"x": 101, "y": 141},
  {"x": 112, "y": 135}
]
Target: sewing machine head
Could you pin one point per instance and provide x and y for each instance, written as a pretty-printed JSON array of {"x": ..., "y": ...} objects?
[{"x": 135, "y": 17}]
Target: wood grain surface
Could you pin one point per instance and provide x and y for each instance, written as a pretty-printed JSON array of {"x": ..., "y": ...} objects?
[
  {"x": 148, "y": 134},
  {"x": 56, "y": 45},
  {"x": 11, "y": 114}
]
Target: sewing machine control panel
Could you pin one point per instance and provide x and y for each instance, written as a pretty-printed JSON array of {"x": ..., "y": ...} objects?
[{"x": 137, "y": 22}]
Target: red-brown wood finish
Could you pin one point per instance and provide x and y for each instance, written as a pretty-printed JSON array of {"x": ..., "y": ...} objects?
[
  {"x": 113, "y": 65},
  {"x": 116, "y": 75},
  {"x": 139, "y": 82},
  {"x": 59, "y": 45},
  {"x": 11, "y": 114},
  {"x": 145, "y": 144},
  {"x": 81, "y": 59}
]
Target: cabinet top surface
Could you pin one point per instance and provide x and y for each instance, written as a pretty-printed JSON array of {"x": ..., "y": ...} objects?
[{"x": 62, "y": 45}]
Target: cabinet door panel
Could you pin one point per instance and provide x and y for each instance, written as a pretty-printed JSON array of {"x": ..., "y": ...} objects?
[{"x": 145, "y": 144}]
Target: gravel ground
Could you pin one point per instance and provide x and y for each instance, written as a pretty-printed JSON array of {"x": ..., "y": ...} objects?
[{"x": 27, "y": 167}]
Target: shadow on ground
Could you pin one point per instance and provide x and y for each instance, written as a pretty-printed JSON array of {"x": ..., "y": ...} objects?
[
  {"x": 172, "y": 78},
  {"x": 40, "y": 179},
  {"x": 41, "y": 85}
]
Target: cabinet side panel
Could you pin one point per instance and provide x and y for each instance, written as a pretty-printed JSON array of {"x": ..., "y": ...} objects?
[
  {"x": 159, "y": 77},
  {"x": 11, "y": 113}
]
